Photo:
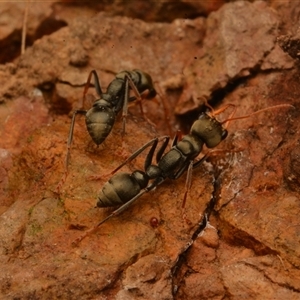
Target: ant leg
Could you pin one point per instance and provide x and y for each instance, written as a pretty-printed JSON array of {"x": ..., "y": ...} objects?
[
  {"x": 177, "y": 138},
  {"x": 114, "y": 213},
  {"x": 156, "y": 182},
  {"x": 125, "y": 107},
  {"x": 188, "y": 184},
  {"x": 82, "y": 112},
  {"x": 195, "y": 165},
  {"x": 88, "y": 83},
  {"x": 70, "y": 138},
  {"x": 96, "y": 82},
  {"x": 182, "y": 168},
  {"x": 153, "y": 142},
  {"x": 135, "y": 154},
  {"x": 162, "y": 149},
  {"x": 138, "y": 151},
  {"x": 127, "y": 99},
  {"x": 148, "y": 160},
  {"x": 138, "y": 98},
  {"x": 69, "y": 143}
]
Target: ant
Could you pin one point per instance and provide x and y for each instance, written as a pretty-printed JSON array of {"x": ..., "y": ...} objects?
[
  {"x": 101, "y": 117},
  {"x": 124, "y": 188}
]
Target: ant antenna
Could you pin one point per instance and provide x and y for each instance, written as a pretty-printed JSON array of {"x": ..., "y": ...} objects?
[
  {"x": 256, "y": 112},
  {"x": 231, "y": 118},
  {"x": 220, "y": 110}
]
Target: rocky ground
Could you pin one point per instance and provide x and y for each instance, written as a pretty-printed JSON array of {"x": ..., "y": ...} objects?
[{"x": 241, "y": 239}]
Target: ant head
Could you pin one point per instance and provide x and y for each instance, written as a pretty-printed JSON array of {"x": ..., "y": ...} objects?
[
  {"x": 152, "y": 93},
  {"x": 212, "y": 132},
  {"x": 144, "y": 82},
  {"x": 209, "y": 129}
]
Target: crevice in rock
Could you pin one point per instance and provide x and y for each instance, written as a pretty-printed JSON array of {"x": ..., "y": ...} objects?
[
  {"x": 57, "y": 105},
  {"x": 237, "y": 237},
  {"x": 177, "y": 275}
]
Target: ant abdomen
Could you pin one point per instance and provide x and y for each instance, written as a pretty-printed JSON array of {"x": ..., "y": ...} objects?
[
  {"x": 121, "y": 188},
  {"x": 99, "y": 121}
]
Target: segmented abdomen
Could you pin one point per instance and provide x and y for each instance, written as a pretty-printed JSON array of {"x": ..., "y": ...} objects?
[
  {"x": 99, "y": 122},
  {"x": 118, "y": 190}
]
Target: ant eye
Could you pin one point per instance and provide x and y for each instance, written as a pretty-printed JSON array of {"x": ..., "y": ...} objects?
[{"x": 224, "y": 134}]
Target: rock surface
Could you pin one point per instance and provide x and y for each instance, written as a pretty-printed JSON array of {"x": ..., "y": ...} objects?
[
  {"x": 241, "y": 240},
  {"x": 240, "y": 39}
]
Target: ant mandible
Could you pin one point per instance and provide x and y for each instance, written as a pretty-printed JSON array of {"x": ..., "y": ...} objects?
[{"x": 124, "y": 188}]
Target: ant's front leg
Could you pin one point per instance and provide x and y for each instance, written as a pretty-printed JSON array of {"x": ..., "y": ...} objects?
[
  {"x": 88, "y": 83},
  {"x": 71, "y": 131}
]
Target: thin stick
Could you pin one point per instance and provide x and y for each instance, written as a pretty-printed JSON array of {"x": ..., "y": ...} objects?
[{"x": 24, "y": 28}]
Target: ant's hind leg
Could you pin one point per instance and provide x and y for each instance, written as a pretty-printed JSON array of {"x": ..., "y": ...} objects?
[
  {"x": 69, "y": 144},
  {"x": 188, "y": 184},
  {"x": 139, "y": 99},
  {"x": 71, "y": 131},
  {"x": 114, "y": 213}
]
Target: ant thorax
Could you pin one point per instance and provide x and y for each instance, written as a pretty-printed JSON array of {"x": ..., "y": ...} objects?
[
  {"x": 190, "y": 145},
  {"x": 103, "y": 103}
]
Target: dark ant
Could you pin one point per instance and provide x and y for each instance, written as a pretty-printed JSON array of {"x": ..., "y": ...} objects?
[
  {"x": 124, "y": 188},
  {"x": 101, "y": 117}
]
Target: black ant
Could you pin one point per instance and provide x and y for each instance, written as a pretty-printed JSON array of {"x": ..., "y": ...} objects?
[
  {"x": 124, "y": 188},
  {"x": 101, "y": 117}
]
